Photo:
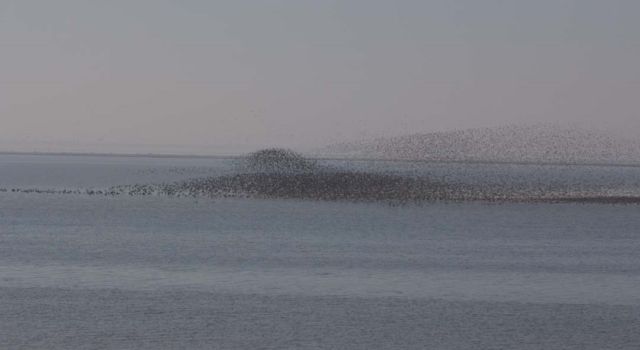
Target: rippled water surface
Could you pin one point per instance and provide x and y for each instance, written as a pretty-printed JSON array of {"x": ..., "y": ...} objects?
[{"x": 98, "y": 272}]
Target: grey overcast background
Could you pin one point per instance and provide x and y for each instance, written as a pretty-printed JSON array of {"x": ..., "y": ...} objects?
[{"x": 211, "y": 77}]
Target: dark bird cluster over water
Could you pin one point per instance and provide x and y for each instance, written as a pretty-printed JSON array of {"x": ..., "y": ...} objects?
[{"x": 281, "y": 173}]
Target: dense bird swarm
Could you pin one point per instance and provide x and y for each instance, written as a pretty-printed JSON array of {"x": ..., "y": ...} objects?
[
  {"x": 532, "y": 144},
  {"x": 280, "y": 173}
]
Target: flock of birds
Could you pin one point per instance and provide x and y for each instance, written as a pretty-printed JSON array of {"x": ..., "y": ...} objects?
[
  {"x": 538, "y": 143},
  {"x": 281, "y": 173}
]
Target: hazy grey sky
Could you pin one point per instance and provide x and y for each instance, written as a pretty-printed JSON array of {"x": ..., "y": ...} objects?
[{"x": 208, "y": 76}]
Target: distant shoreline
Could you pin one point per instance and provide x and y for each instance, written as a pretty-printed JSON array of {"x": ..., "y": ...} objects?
[
  {"x": 357, "y": 159},
  {"x": 119, "y": 155}
]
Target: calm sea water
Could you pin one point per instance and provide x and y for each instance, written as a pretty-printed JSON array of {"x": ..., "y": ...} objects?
[{"x": 91, "y": 272}]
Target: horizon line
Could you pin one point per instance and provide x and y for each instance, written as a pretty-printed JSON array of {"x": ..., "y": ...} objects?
[{"x": 316, "y": 157}]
